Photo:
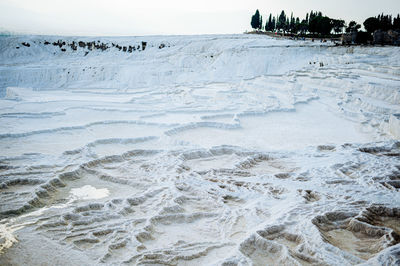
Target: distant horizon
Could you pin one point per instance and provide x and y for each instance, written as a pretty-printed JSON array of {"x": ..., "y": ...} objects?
[
  {"x": 127, "y": 18},
  {"x": 16, "y": 34}
]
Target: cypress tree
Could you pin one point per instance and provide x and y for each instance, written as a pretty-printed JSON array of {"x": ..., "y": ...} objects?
[
  {"x": 255, "y": 20},
  {"x": 297, "y": 25},
  {"x": 396, "y": 22},
  {"x": 287, "y": 24},
  {"x": 281, "y": 23},
  {"x": 273, "y": 24},
  {"x": 268, "y": 25},
  {"x": 292, "y": 23},
  {"x": 386, "y": 22}
]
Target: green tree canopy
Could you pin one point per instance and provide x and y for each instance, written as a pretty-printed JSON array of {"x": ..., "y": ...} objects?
[
  {"x": 338, "y": 25},
  {"x": 353, "y": 27},
  {"x": 321, "y": 25},
  {"x": 371, "y": 24},
  {"x": 303, "y": 27}
]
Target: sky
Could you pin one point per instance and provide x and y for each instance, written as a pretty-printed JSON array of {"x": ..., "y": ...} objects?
[{"x": 172, "y": 17}]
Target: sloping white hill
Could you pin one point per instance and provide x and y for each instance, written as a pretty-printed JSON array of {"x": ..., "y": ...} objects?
[{"x": 198, "y": 150}]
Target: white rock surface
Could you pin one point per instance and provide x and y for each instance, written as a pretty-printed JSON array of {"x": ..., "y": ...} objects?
[
  {"x": 394, "y": 125},
  {"x": 215, "y": 150}
]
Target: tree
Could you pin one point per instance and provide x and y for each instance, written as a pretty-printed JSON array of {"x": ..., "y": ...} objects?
[
  {"x": 371, "y": 24},
  {"x": 303, "y": 28},
  {"x": 287, "y": 25},
  {"x": 255, "y": 20},
  {"x": 353, "y": 27},
  {"x": 281, "y": 23},
  {"x": 297, "y": 25},
  {"x": 321, "y": 25},
  {"x": 385, "y": 22},
  {"x": 396, "y": 22},
  {"x": 260, "y": 23},
  {"x": 292, "y": 23},
  {"x": 325, "y": 26},
  {"x": 312, "y": 15},
  {"x": 270, "y": 25},
  {"x": 338, "y": 25},
  {"x": 273, "y": 23}
]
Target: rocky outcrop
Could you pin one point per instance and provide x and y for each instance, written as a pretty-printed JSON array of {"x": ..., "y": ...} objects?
[
  {"x": 349, "y": 38},
  {"x": 379, "y": 37},
  {"x": 390, "y": 37},
  {"x": 94, "y": 45},
  {"x": 394, "y": 37}
]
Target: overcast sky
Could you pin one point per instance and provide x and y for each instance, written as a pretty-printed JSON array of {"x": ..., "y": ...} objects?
[{"x": 150, "y": 17}]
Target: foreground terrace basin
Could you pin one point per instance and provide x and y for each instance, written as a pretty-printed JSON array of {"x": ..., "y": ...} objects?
[{"x": 198, "y": 150}]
